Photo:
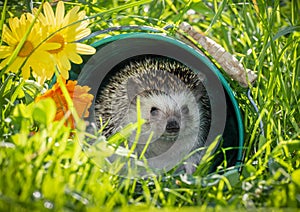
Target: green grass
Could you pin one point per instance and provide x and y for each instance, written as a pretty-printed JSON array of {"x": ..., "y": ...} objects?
[{"x": 49, "y": 169}]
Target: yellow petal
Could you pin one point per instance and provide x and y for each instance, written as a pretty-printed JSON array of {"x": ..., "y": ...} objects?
[
  {"x": 42, "y": 72},
  {"x": 15, "y": 66},
  {"x": 49, "y": 71},
  {"x": 49, "y": 46},
  {"x": 14, "y": 24},
  {"x": 85, "y": 49},
  {"x": 3, "y": 63},
  {"x": 49, "y": 14},
  {"x": 83, "y": 33},
  {"x": 74, "y": 33},
  {"x": 63, "y": 62},
  {"x": 22, "y": 29},
  {"x": 5, "y": 51},
  {"x": 71, "y": 16},
  {"x": 82, "y": 25},
  {"x": 75, "y": 58},
  {"x": 41, "y": 17},
  {"x": 26, "y": 71},
  {"x": 64, "y": 72},
  {"x": 11, "y": 23},
  {"x": 37, "y": 71},
  {"x": 70, "y": 47},
  {"x": 71, "y": 53},
  {"x": 22, "y": 20},
  {"x": 30, "y": 17},
  {"x": 8, "y": 36},
  {"x": 40, "y": 79},
  {"x": 66, "y": 63},
  {"x": 37, "y": 68},
  {"x": 60, "y": 12},
  {"x": 81, "y": 15},
  {"x": 41, "y": 57},
  {"x": 35, "y": 37}
]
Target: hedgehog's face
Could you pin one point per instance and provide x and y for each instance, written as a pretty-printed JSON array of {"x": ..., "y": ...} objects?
[{"x": 168, "y": 116}]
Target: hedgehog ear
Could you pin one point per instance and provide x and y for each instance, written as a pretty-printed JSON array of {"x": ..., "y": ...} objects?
[{"x": 133, "y": 90}]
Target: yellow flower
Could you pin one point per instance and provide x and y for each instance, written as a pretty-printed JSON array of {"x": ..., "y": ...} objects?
[
  {"x": 38, "y": 57},
  {"x": 64, "y": 31}
]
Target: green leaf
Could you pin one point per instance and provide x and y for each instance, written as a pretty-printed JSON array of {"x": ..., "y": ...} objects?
[
  {"x": 293, "y": 145},
  {"x": 233, "y": 176},
  {"x": 274, "y": 165},
  {"x": 286, "y": 31},
  {"x": 44, "y": 111},
  {"x": 23, "y": 111},
  {"x": 248, "y": 170},
  {"x": 202, "y": 8},
  {"x": 22, "y": 117},
  {"x": 262, "y": 141},
  {"x": 101, "y": 149},
  {"x": 30, "y": 90},
  {"x": 296, "y": 177}
]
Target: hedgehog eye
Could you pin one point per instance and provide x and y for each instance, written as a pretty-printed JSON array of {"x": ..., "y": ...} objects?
[
  {"x": 154, "y": 111},
  {"x": 185, "y": 109}
]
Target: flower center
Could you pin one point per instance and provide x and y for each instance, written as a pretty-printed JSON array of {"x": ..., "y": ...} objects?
[
  {"x": 26, "y": 49},
  {"x": 57, "y": 39}
]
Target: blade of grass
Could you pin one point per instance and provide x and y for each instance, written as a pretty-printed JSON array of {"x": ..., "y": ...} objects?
[
  {"x": 139, "y": 126},
  {"x": 147, "y": 145},
  {"x": 283, "y": 32},
  {"x": 172, "y": 6},
  {"x": 14, "y": 95},
  {"x": 178, "y": 195},
  {"x": 217, "y": 15},
  {"x": 2, "y": 20},
  {"x": 253, "y": 135},
  {"x": 119, "y": 8},
  {"x": 2, "y": 90}
]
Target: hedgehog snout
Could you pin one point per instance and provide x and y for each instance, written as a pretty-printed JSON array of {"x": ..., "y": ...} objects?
[{"x": 173, "y": 125}]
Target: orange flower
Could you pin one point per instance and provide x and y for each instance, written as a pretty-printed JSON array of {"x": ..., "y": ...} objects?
[{"x": 82, "y": 100}]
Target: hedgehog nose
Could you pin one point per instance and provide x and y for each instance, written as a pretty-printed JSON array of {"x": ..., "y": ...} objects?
[{"x": 172, "y": 126}]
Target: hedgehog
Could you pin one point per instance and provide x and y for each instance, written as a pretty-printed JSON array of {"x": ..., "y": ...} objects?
[{"x": 173, "y": 103}]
